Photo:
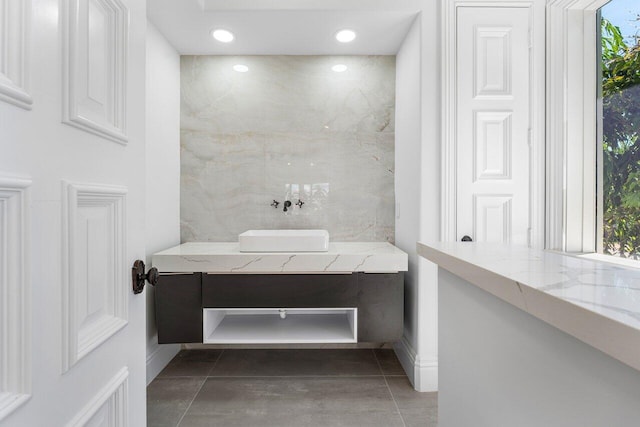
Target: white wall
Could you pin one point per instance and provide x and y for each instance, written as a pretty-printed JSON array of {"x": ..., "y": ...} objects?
[
  {"x": 418, "y": 191},
  {"x": 430, "y": 198},
  {"x": 163, "y": 173},
  {"x": 408, "y": 149}
]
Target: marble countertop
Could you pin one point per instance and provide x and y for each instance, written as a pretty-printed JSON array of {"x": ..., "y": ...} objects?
[
  {"x": 342, "y": 257},
  {"x": 594, "y": 301}
]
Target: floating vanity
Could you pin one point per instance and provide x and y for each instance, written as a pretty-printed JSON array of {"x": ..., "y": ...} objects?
[
  {"x": 533, "y": 338},
  {"x": 215, "y": 293}
]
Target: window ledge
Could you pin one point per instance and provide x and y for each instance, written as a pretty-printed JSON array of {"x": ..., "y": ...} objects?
[
  {"x": 626, "y": 262},
  {"x": 591, "y": 300}
]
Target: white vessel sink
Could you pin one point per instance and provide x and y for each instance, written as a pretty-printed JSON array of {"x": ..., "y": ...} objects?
[{"x": 284, "y": 241}]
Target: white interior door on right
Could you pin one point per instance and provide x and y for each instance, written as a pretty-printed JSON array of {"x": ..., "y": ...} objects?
[{"x": 493, "y": 116}]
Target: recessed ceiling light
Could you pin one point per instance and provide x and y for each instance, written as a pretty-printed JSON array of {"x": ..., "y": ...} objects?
[
  {"x": 240, "y": 68},
  {"x": 345, "y": 36},
  {"x": 223, "y": 36},
  {"x": 339, "y": 68}
]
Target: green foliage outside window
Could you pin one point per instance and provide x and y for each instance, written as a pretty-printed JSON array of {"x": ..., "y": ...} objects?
[{"x": 621, "y": 132}]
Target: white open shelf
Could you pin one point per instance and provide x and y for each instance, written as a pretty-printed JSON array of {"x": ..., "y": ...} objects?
[{"x": 266, "y": 326}]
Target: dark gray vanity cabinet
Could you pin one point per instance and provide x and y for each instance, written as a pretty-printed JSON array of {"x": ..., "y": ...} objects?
[
  {"x": 279, "y": 290},
  {"x": 179, "y": 308},
  {"x": 181, "y": 299},
  {"x": 380, "y": 307}
]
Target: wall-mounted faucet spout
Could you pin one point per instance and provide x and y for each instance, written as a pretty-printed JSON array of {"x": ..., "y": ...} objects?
[{"x": 287, "y": 205}]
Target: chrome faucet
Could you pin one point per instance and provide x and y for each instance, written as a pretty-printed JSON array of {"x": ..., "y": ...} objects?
[{"x": 287, "y": 205}]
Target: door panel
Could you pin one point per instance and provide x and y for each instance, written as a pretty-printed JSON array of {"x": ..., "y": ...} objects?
[
  {"x": 80, "y": 147},
  {"x": 493, "y": 117},
  {"x": 95, "y": 67},
  {"x": 15, "y": 308},
  {"x": 94, "y": 282},
  {"x": 106, "y": 408},
  {"x": 15, "y": 17}
]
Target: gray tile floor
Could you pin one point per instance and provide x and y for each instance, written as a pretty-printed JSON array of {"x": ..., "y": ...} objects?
[{"x": 287, "y": 388}]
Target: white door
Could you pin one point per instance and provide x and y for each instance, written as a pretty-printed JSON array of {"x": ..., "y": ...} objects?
[
  {"x": 72, "y": 340},
  {"x": 493, "y": 122}
]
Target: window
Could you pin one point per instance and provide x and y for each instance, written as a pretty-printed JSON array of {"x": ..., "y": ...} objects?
[
  {"x": 619, "y": 130},
  {"x": 593, "y": 128}
]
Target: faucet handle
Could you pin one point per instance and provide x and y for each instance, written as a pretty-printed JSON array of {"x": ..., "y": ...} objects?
[
  {"x": 300, "y": 203},
  {"x": 275, "y": 204}
]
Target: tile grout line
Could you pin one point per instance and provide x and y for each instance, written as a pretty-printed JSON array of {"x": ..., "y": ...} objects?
[
  {"x": 215, "y": 364},
  {"x": 204, "y": 380},
  {"x": 285, "y": 376},
  {"x": 297, "y": 376},
  {"x": 199, "y": 390},
  {"x": 389, "y": 388}
]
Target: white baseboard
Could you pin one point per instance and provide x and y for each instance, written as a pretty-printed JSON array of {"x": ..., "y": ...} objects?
[
  {"x": 422, "y": 373},
  {"x": 159, "y": 358}
]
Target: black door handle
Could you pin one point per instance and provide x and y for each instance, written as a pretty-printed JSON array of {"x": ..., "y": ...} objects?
[
  {"x": 467, "y": 239},
  {"x": 139, "y": 277}
]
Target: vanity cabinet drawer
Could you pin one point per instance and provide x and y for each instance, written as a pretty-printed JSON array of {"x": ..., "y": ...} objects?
[
  {"x": 380, "y": 307},
  {"x": 179, "y": 308},
  {"x": 279, "y": 290}
]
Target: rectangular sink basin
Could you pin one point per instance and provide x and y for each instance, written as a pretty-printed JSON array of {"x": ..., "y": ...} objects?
[{"x": 284, "y": 241}]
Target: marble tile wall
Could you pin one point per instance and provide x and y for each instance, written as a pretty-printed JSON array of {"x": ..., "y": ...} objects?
[{"x": 288, "y": 129}]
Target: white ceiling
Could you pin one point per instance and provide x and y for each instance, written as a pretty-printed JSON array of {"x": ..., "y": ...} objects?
[{"x": 284, "y": 27}]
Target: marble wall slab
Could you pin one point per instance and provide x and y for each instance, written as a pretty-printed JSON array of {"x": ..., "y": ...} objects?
[{"x": 290, "y": 128}]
